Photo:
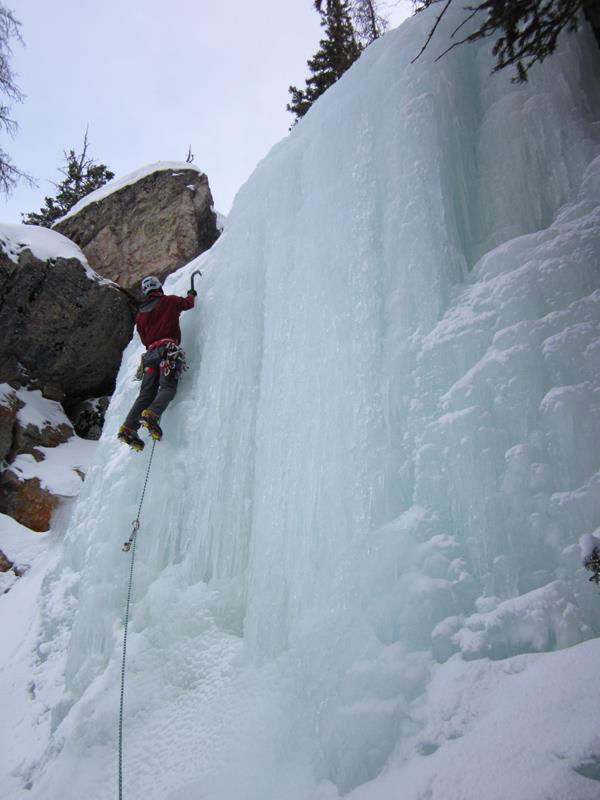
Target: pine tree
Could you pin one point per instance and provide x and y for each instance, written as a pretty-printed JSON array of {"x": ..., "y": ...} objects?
[
  {"x": 527, "y": 30},
  {"x": 81, "y": 176},
  {"x": 338, "y": 50},
  {"x": 368, "y": 22}
]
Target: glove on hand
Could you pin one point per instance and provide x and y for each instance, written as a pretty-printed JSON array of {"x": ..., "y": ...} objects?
[{"x": 193, "y": 292}]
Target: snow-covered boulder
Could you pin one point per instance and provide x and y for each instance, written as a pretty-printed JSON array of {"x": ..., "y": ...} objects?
[
  {"x": 149, "y": 222},
  {"x": 43, "y": 462},
  {"x": 29, "y": 424},
  {"x": 63, "y": 327}
]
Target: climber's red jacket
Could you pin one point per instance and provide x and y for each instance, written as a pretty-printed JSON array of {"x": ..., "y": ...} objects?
[{"x": 158, "y": 317}]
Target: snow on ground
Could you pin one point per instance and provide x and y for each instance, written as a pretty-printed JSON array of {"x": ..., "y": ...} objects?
[
  {"x": 525, "y": 727},
  {"x": 133, "y": 177},
  {"x": 61, "y": 471},
  {"x": 36, "y": 409},
  {"x": 21, "y": 546},
  {"x": 63, "y": 467},
  {"x": 358, "y": 569},
  {"x": 44, "y": 244}
]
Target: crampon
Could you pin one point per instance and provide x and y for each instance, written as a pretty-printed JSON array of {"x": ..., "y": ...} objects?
[
  {"x": 150, "y": 421},
  {"x": 130, "y": 437}
]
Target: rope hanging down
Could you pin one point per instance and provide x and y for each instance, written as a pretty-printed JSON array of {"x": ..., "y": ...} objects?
[{"x": 129, "y": 545}]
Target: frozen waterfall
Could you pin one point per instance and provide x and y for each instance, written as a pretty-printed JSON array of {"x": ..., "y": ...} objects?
[{"x": 358, "y": 568}]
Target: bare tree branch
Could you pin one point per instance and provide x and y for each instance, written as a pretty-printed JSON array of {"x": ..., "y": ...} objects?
[
  {"x": 9, "y": 30},
  {"x": 432, "y": 31},
  {"x": 527, "y": 30}
]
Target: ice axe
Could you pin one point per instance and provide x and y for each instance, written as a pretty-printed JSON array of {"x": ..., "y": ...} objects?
[{"x": 196, "y": 272}]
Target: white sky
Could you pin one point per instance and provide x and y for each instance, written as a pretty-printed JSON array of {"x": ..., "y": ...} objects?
[{"x": 150, "y": 78}]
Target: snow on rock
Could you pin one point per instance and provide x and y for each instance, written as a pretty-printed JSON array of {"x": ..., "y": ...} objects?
[
  {"x": 64, "y": 327},
  {"x": 62, "y": 469},
  {"x": 127, "y": 180},
  {"x": 382, "y": 458},
  {"x": 150, "y": 222},
  {"x": 44, "y": 244},
  {"x": 47, "y": 461},
  {"x": 37, "y": 410}
]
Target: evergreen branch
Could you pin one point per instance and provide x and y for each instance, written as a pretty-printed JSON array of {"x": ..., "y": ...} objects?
[{"x": 432, "y": 31}]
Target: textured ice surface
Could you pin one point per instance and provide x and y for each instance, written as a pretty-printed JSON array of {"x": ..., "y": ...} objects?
[{"x": 359, "y": 550}]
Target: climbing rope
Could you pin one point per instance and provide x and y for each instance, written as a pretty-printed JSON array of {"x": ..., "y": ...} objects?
[{"x": 129, "y": 546}]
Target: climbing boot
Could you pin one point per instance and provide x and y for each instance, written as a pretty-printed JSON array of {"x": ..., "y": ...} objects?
[
  {"x": 150, "y": 421},
  {"x": 130, "y": 437}
]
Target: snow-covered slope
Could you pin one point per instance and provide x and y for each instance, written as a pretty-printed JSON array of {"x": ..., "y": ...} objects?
[{"x": 358, "y": 567}]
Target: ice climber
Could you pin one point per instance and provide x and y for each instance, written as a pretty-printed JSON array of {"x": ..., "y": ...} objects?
[{"x": 157, "y": 322}]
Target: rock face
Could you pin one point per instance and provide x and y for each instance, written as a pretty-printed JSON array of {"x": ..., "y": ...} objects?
[
  {"x": 63, "y": 332},
  {"x": 26, "y": 501},
  {"x": 8, "y": 420},
  {"x": 5, "y": 563},
  {"x": 87, "y": 416},
  {"x": 151, "y": 225}
]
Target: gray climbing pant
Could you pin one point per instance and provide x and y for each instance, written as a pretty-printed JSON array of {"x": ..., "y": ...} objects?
[{"x": 157, "y": 389}]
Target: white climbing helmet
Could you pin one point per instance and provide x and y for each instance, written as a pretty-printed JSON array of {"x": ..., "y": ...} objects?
[{"x": 150, "y": 284}]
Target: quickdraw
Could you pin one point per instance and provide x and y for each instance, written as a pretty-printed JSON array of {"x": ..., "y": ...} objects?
[{"x": 173, "y": 360}]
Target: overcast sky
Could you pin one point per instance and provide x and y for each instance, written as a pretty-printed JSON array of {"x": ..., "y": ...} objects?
[{"x": 150, "y": 78}]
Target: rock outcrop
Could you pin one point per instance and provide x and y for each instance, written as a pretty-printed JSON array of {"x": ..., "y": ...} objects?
[
  {"x": 26, "y": 501},
  {"x": 24, "y": 429},
  {"x": 43, "y": 460},
  {"x": 87, "y": 416},
  {"x": 64, "y": 328},
  {"x": 148, "y": 223},
  {"x": 5, "y": 563},
  {"x": 8, "y": 420}
]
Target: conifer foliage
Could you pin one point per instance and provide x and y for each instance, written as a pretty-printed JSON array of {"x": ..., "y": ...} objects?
[
  {"x": 81, "y": 176},
  {"x": 338, "y": 50},
  {"x": 527, "y": 31},
  {"x": 368, "y": 21}
]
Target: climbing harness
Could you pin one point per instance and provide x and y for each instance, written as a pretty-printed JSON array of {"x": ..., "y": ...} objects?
[
  {"x": 129, "y": 545},
  {"x": 173, "y": 360}
]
